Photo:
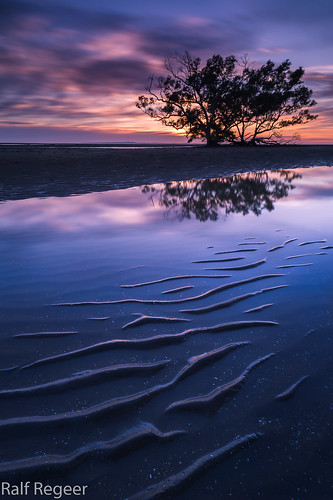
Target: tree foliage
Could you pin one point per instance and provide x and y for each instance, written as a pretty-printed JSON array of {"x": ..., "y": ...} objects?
[{"x": 228, "y": 101}]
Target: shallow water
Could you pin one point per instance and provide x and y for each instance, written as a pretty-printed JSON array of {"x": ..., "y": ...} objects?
[{"x": 64, "y": 266}]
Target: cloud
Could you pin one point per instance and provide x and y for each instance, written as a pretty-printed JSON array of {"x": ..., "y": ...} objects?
[
  {"x": 59, "y": 14},
  {"x": 12, "y": 123},
  {"x": 108, "y": 75},
  {"x": 275, "y": 50},
  {"x": 203, "y": 39},
  {"x": 84, "y": 64},
  {"x": 322, "y": 83},
  {"x": 298, "y": 13},
  {"x": 50, "y": 62}
]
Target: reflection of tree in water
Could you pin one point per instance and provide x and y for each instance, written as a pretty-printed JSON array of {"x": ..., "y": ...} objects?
[{"x": 240, "y": 193}]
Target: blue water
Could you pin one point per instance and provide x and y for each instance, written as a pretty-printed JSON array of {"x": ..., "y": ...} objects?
[{"x": 83, "y": 248}]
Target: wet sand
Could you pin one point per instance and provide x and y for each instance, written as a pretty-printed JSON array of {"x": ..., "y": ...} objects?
[
  {"x": 62, "y": 169},
  {"x": 222, "y": 386}
]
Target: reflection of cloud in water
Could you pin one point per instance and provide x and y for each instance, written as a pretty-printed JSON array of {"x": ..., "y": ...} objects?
[
  {"x": 315, "y": 183},
  {"x": 123, "y": 208},
  {"x": 127, "y": 209}
]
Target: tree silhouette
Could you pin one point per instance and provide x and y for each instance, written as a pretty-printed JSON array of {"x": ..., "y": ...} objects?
[
  {"x": 240, "y": 193},
  {"x": 190, "y": 98},
  {"x": 267, "y": 99},
  {"x": 226, "y": 101}
]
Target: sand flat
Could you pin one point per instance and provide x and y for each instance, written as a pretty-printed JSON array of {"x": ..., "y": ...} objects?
[{"x": 30, "y": 170}]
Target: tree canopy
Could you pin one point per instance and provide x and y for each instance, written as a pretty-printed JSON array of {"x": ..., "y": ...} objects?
[{"x": 228, "y": 101}]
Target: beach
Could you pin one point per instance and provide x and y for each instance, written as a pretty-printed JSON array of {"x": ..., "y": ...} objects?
[
  {"x": 165, "y": 337},
  {"x": 38, "y": 170}
]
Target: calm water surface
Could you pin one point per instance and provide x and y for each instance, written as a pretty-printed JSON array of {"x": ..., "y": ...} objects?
[{"x": 64, "y": 262}]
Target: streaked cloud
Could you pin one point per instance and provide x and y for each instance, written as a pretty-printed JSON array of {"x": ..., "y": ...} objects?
[
  {"x": 275, "y": 50},
  {"x": 321, "y": 82},
  {"x": 81, "y": 66}
]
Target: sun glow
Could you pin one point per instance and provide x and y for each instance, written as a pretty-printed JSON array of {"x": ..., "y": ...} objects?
[{"x": 65, "y": 78}]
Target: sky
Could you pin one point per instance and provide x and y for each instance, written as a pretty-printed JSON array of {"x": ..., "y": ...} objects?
[{"x": 72, "y": 70}]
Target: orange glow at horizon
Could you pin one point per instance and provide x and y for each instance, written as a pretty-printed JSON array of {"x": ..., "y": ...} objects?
[
  {"x": 134, "y": 122},
  {"x": 98, "y": 105},
  {"x": 82, "y": 69},
  {"x": 106, "y": 105}
]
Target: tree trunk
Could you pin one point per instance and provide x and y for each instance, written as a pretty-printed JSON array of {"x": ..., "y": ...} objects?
[{"x": 212, "y": 142}]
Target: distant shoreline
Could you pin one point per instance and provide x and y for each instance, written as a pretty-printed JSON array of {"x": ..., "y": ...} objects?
[
  {"x": 38, "y": 170},
  {"x": 140, "y": 145}
]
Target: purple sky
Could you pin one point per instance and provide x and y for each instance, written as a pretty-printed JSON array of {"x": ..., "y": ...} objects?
[{"x": 71, "y": 70}]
